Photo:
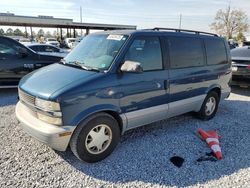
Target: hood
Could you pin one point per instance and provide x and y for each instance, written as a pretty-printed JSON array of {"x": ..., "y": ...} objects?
[{"x": 46, "y": 81}]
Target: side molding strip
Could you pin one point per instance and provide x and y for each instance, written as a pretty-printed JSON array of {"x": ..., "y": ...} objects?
[{"x": 149, "y": 115}]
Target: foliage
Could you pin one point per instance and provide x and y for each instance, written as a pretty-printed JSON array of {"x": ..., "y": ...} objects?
[
  {"x": 18, "y": 32},
  {"x": 40, "y": 33},
  {"x": 240, "y": 37},
  {"x": 48, "y": 34},
  {"x": 1, "y": 32},
  {"x": 230, "y": 22},
  {"x": 9, "y": 32}
]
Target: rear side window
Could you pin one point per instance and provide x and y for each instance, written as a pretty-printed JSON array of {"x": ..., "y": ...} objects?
[
  {"x": 185, "y": 52},
  {"x": 35, "y": 48},
  {"x": 216, "y": 51},
  {"x": 48, "y": 49},
  {"x": 147, "y": 51},
  {"x": 8, "y": 48}
]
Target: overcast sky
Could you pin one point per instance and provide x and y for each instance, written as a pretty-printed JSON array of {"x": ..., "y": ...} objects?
[{"x": 196, "y": 14}]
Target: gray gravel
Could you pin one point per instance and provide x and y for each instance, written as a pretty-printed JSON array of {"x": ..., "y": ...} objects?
[{"x": 142, "y": 157}]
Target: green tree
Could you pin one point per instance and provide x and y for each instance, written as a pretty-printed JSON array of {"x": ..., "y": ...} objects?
[
  {"x": 55, "y": 34},
  {"x": 240, "y": 37},
  {"x": 18, "y": 32},
  {"x": 230, "y": 22},
  {"x": 48, "y": 34},
  {"x": 26, "y": 34},
  {"x": 9, "y": 32},
  {"x": 1, "y": 32},
  {"x": 40, "y": 33}
]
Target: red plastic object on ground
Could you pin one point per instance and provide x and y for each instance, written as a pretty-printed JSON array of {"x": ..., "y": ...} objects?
[{"x": 212, "y": 139}]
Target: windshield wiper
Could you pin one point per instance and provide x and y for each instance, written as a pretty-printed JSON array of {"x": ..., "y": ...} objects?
[
  {"x": 79, "y": 64},
  {"x": 85, "y": 67}
]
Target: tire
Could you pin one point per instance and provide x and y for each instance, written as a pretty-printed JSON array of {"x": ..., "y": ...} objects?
[
  {"x": 205, "y": 113},
  {"x": 95, "y": 138}
]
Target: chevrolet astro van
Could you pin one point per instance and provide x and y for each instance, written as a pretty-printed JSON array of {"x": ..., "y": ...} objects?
[{"x": 114, "y": 81}]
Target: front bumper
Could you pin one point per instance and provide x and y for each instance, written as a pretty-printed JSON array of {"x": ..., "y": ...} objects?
[
  {"x": 57, "y": 137},
  {"x": 240, "y": 72}
]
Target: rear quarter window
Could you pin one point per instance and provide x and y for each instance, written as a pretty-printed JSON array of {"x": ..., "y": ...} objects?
[
  {"x": 216, "y": 51},
  {"x": 35, "y": 48},
  {"x": 186, "y": 52}
]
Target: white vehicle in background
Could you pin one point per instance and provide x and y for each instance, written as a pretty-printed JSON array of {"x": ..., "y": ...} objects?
[
  {"x": 52, "y": 41},
  {"x": 77, "y": 41},
  {"x": 69, "y": 42},
  {"x": 48, "y": 49},
  {"x": 24, "y": 41}
]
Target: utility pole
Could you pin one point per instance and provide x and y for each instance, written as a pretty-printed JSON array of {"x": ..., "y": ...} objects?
[
  {"x": 26, "y": 34},
  {"x": 31, "y": 34},
  {"x": 180, "y": 21},
  {"x": 81, "y": 17}
]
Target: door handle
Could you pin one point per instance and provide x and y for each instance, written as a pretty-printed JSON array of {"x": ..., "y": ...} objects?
[
  {"x": 166, "y": 84},
  {"x": 189, "y": 89}
]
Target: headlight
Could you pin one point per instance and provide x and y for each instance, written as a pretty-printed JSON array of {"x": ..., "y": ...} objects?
[
  {"x": 47, "y": 105},
  {"x": 53, "y": 108},
  {"x": 50, "y": 120}
]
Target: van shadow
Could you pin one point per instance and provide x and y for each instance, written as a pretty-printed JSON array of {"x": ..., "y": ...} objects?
[
  {"x": 8, "y": 97},
  {"x": 144, "y": 153}
]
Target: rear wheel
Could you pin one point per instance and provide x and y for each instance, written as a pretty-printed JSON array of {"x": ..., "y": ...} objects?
[
  {"x": 95, "y": 138},
  {"x": 209, "y": 106}
]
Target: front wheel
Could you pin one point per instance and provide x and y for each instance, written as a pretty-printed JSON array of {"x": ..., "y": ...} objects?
[
  {"x": 95, "y": 138},
  {"x": 209, "y": 106}
]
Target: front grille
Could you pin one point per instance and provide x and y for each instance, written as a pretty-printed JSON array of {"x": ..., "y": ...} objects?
[
  {"x": 26, "y": 98},
  {"x": 244, "y": 62}
]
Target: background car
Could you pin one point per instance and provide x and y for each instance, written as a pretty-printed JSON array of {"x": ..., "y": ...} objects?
[
  {"x": 68, "y": 42},
  {"x": 48, "y": 49},
  {"x": 241, "y": 66},
  {"x": 77, "y": 41},
  {"x": 24, "y": 41},
  {"x": 232, "y": 44},
  {"x": 52, "y": 41},
  {"x": 16, "y": 60},
  {"x": 246, "y": 43}
]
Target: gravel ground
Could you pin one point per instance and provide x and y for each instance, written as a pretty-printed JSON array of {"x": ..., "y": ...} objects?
[{"x": 142, "y": 157}]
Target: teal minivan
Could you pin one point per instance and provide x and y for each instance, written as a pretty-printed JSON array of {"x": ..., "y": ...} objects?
[{"x": 114, "y": 81}]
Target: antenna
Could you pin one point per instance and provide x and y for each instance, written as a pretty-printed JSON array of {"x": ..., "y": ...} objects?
[
  {"x": 81, "y": 17},
  {"x": 180, "y": 21}
]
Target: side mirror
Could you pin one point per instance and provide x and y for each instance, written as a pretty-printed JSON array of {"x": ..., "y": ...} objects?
[{"x": 132, "y": 66}]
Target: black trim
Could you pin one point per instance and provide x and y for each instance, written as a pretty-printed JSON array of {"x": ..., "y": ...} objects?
[{"x": 182, "y": 30}]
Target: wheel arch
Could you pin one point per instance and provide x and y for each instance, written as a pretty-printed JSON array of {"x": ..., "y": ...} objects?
[
  {"x": 108, "y": 109},
  {"x": 216, "y": 88}
]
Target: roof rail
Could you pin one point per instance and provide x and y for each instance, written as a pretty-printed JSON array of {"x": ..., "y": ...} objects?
[{"x": 183, "y": 30}]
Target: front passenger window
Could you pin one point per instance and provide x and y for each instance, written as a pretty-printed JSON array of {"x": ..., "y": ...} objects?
[
  {"x": 147, "y": 51},
  {"x": 7, "y": 51}
]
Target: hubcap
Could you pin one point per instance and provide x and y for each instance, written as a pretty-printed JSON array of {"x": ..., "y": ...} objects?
[
  {"x": 210, "y": 106},
  {"x": 98, "y": 139}
]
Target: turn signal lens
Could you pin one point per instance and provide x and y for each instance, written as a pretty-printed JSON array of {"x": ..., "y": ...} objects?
[{"x": 50, "y": 120}]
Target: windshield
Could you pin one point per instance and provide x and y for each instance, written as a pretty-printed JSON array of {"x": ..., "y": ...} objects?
[{"x": 96, "y": 51}]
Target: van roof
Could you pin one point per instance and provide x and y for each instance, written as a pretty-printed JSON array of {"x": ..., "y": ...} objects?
[{"x": 160, "y": 30}]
